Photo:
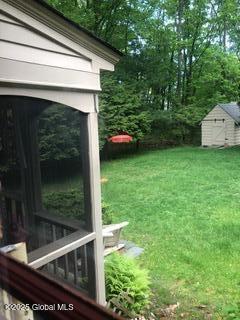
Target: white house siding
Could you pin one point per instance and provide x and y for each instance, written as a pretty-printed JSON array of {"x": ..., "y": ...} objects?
[
  {"x": 43, "y": 56},
  {"x": 207, "y": 127},
  {"x": 25, "y": 54},
  {"x": 27, "y": 57}
]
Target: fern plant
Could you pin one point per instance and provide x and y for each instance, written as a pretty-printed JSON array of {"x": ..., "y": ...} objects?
[{"x": 127, "y": 285}]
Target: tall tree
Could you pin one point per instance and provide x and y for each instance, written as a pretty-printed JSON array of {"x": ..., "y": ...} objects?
[{"x": 168, "y": 45}]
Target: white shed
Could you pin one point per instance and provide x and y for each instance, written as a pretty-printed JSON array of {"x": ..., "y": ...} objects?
[{"x": 221, "y": 126}]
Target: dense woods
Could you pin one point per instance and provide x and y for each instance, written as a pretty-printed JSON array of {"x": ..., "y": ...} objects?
[{"x": 181, "y": 57}]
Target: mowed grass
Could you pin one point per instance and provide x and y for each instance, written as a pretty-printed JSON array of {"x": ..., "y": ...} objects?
[{"x": 183, "y": 206}]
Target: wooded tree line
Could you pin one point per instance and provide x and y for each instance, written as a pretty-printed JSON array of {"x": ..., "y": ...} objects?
[{"x": 181, "y": 57}]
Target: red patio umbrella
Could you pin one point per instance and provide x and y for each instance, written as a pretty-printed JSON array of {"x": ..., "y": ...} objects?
[{"x": 121, "y": 138}]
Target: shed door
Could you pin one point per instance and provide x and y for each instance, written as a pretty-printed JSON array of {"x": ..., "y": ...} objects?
[{"x": 218, "y": 133}]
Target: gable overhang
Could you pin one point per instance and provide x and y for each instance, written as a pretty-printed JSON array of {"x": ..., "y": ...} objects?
[
  {"x": 218, "y": 105},
  {"x": 44, "y": 55}
]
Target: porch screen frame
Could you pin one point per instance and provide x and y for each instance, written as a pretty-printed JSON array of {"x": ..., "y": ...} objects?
[{"x": 92, "y": 198}]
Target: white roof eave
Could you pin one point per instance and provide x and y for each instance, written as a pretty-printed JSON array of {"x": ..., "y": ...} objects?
[{"x": 47, "y": 22}]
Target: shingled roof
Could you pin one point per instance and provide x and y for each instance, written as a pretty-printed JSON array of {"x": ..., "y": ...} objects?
[{"x": 233, "y": 109}]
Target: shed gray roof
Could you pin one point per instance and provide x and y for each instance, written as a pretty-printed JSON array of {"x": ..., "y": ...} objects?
[{"x": 233, "y": 109}]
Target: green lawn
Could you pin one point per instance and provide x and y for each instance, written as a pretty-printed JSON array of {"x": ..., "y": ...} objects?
[{"x": 183, "y": 206}]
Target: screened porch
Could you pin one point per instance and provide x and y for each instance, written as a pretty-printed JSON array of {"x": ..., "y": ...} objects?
[{"x": 59, "y": 243}]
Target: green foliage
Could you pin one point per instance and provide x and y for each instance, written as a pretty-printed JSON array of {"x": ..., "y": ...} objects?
[
  {"x": 109, "y": 20},
  {"x": 107, "y": 213},
  {"x": 123, "y": 275},
  {"x": 182, "y": 57},
  {"x": 232, "y": 312},
  {"x": 180, "y": 126},
  {"x": 121, "y": 110},
  {"x": 67, "y": 203},
  {"x": 70, "y": 203},
  {"x": 59, "y": 133},
  {"x": 219, "y": 81}
]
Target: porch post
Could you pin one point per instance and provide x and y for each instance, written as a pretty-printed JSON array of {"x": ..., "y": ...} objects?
[{"x": 94, "y": 168}]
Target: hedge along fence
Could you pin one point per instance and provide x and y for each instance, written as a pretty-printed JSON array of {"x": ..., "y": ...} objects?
[
  {"x": 115, "y": 150},
  {"x": 70, "y": 203},
  {"x": 67, "y": 203}
]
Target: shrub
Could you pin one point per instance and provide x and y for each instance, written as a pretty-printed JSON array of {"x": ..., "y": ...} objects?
[
  {"x": 70, "y": 203},
  {"x": 67, "y": 203},
  {"x": 127, "y": 284}
]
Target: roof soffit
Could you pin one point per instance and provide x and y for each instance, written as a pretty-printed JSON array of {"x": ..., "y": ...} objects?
[{"x": 40, "y": 19}]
